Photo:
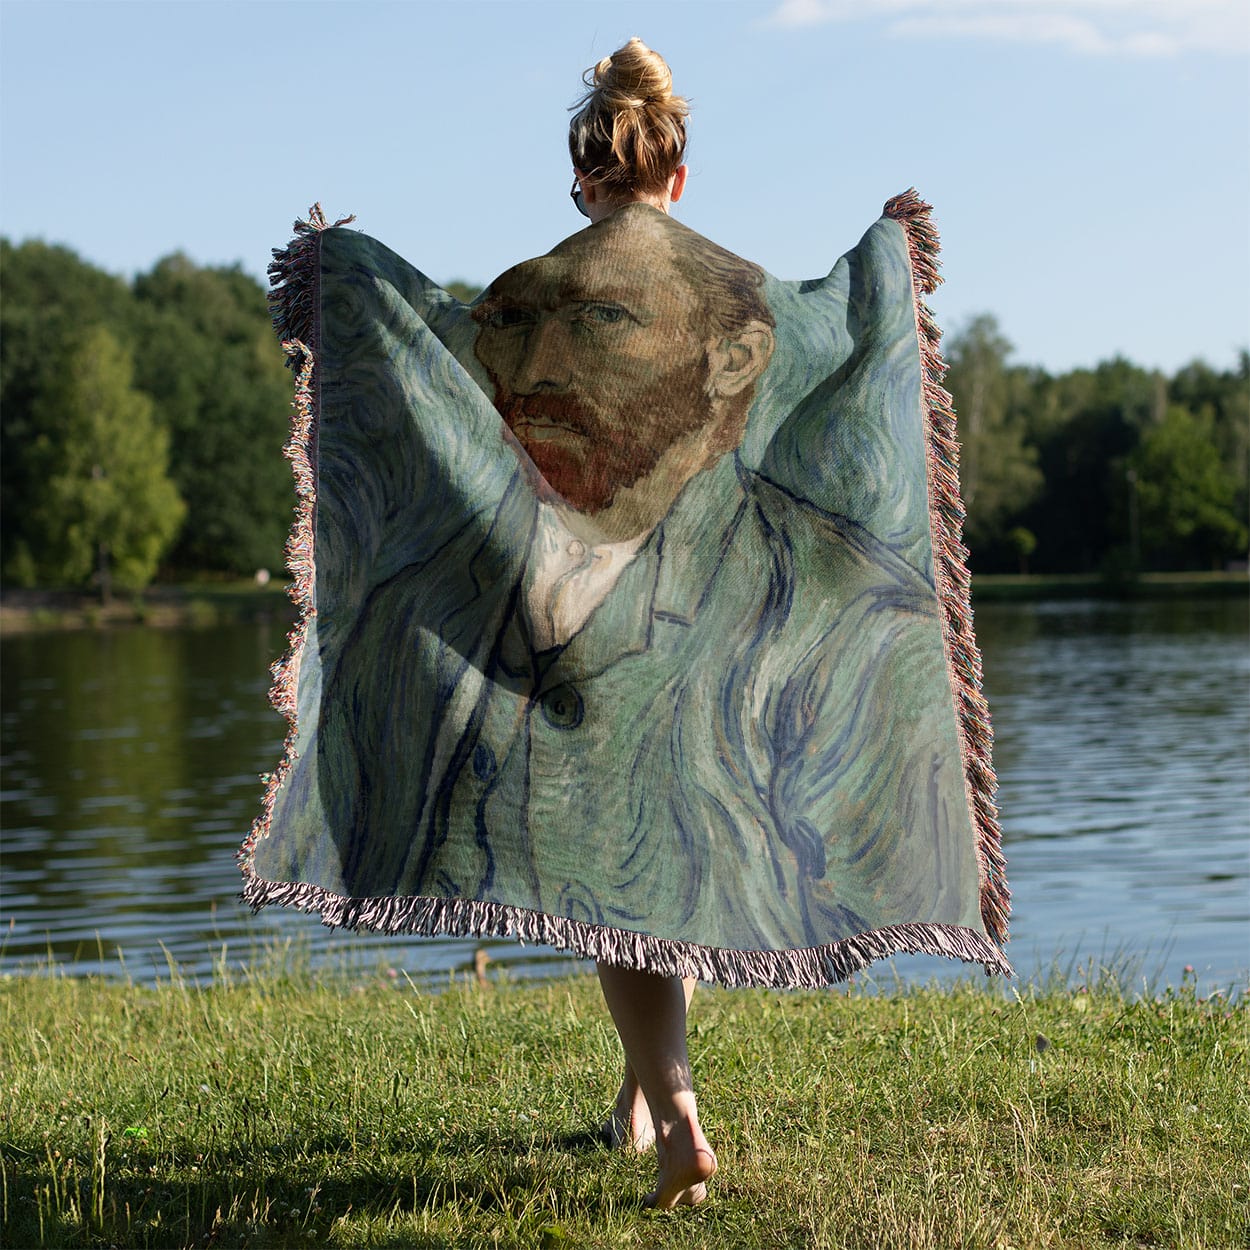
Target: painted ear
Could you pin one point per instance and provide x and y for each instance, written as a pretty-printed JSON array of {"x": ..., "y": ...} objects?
[{"x": 735, "y": 363}]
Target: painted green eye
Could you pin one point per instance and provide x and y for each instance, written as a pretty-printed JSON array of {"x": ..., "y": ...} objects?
[
  {"x": 609, "y": 314},
  {"x": 601, "y": 314}
]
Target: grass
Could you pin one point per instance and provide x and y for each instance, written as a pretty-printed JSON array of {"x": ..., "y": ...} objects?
[{"x": 285, "y": 1109}]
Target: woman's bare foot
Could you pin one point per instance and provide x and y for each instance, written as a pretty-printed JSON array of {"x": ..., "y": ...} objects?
[
  {"x": 686, "y": 1165},
  {"x": 649, "y": 1012},
  {"x": 629, "y": 1125}
]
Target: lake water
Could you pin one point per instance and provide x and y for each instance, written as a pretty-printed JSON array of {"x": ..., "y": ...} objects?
[{"x": 130, "y": 762}]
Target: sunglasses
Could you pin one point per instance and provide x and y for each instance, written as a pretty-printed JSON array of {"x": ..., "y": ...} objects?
[{"x": 576, "y": 196}]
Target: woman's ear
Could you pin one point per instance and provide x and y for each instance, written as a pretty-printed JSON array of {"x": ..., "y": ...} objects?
[
  {"x": 677, "y": 183},
  {"x": 587, "y": 185}
]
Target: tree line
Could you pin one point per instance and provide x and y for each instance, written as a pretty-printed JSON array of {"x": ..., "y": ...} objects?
[
  {"x": 1113, "y": 470},
  {"x": 142, "y": 423}
]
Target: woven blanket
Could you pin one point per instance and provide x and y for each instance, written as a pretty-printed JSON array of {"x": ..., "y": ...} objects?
[{"x": 634, "y": 615}]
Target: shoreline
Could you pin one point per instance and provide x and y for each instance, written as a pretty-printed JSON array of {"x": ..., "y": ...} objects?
[
  {"x": 174, "y": 606},
  {"x": 1026, "y": 587},
  {"x": 205, "y": 604}
]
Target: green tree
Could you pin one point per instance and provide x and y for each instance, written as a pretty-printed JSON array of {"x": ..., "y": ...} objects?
[
  {"x": 1024, "y": 543},
  {"x": 465, "y": 292},
  {"x": 105, "y": 506},
  {"x": 51, "y": 298},
  {"x": 997, "y": 467},
  {"x": 1085, "y": 424},
  {"x": 1186, "y": 494},
  {"x": 1223, "y": 399},
  {"x": 208, "y": 356}
]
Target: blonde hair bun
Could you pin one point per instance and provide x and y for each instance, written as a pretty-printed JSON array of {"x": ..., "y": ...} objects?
[
  {"x": 630, "y": 129},
  {"x": 633, "y": 77}
]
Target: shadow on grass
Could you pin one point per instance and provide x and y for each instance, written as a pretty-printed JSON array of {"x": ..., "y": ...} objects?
[{"x": 266, "y": 1197}]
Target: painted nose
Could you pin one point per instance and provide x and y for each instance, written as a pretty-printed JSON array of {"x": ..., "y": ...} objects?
[{"x": 545, "y": 366}]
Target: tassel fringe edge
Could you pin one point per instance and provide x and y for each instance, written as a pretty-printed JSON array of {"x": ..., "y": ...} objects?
[
  {"x": 950, "y": 561},
  {"x": 294, "y": 303},
  {"x": 809, "y": 968}
]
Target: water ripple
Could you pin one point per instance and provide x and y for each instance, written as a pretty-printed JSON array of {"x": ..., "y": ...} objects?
[{"x": 131, "y": 763}]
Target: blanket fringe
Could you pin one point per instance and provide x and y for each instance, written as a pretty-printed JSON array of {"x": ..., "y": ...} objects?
[
  {"x": 950, "y": 559},
  {"x": 294, "y": 280},
  {"x": 809, "y": 968},
  {"x": 294, "y": 302}
]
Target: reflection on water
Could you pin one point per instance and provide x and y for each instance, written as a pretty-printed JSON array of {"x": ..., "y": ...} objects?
[
  {"x": 1122, "y": 736},
  {"x": 131, "y": 762}
]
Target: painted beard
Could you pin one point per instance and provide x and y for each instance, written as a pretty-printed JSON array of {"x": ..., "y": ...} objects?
[{"x": 585, "y": 457}]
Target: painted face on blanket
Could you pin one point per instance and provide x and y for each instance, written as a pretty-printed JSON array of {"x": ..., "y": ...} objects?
[{"x": 626, "y": 359}]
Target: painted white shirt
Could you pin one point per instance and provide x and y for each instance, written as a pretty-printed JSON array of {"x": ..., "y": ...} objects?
[{"x": 567, "y": 578}]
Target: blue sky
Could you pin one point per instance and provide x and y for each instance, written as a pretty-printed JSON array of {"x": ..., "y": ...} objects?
[{"x": 1089, "y": 160}]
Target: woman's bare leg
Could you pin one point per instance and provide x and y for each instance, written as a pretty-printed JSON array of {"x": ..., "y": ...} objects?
[
  {"x": 629, "y": 1125},
  {"x": 650, "y": 1015}
]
